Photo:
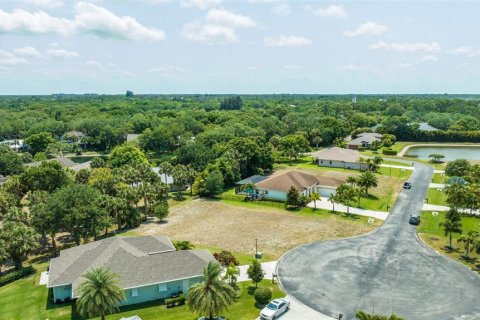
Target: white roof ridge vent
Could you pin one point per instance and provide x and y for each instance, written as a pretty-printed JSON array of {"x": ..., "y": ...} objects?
[{"x": 158, "y": 252}]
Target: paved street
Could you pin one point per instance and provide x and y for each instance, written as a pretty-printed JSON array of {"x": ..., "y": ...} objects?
[{"x": 388, "y": 270}]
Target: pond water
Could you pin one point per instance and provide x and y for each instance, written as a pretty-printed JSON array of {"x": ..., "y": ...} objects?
[{"x": 450, "y": 153}]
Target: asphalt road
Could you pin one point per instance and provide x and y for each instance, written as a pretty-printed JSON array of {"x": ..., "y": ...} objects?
[{"x": 387, "y": 271}]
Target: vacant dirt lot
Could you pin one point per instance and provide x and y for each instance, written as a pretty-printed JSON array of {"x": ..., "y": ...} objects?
[{"x": 234, "y": 228}]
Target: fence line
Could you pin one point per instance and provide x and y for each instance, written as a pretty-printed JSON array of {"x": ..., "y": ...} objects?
[{"x": 259, "y": 202}]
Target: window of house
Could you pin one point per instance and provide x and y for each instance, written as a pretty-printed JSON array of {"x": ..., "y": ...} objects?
[
  {"x": 330, "y": 162},
  {"x": 134, "y": 292},
  {"x": 266, "y": 191},
  {"x": 321, "y": 161},
  {"x": 162, "y": 287}
]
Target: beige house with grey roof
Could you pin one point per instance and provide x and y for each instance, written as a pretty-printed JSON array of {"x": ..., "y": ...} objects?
[
  {"x": 336, "y": 157},
  {"x": 149, "y": 267}
]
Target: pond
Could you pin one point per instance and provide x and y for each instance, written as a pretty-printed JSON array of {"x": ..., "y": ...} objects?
[{"x": 450, "y": 153}]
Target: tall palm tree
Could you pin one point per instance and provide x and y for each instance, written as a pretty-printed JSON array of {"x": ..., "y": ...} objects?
[
  {"x": 333, "y": 199},
  {"x": 100, "y": 293},
  {"x": 367, "y": 180},
  {"x": 211, "y": 296},
  {"x": 345, "y": 195},
  {"x": 452, "y": 224},
  {"x": 469, "y": 240},
  {"x": 314, "y": 196}
]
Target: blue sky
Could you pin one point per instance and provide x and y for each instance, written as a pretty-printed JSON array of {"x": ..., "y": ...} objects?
[{"x": 251, "y": 46}]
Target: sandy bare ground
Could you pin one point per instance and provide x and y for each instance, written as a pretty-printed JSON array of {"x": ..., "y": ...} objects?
[{"x": 234, "y": 228}]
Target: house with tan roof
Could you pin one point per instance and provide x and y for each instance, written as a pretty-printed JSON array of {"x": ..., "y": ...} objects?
[
  {"x": 276, "y": 186},
  {"x": 364, "y": 140},
  {"x": 149, "y": 267},
  {"x": 336, "y": 157}
]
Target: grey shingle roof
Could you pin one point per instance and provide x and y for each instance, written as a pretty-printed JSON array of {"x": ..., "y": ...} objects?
[
  {"x": 253, "y": 179},
  {"x": 337, "y": 154},
  {"x": 138, "y": 261}
]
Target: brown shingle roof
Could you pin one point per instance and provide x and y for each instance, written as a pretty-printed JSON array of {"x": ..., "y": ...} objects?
[
  {"x": 337, "y": 154},
  {"x": 298, "y": 179}
]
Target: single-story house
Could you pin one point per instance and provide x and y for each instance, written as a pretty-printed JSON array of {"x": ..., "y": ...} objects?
[
  {"x": 168, "y": 179},
  {"x": 424, "y": 126},
  {"x": 65, "y": 162},
  {"x": 77, "y": 135},
  {"x": 132, "y": 137},
  {"x": 149, "y": 267},
  {"x": 364, "y": 140},
  {"x": 15, "y": 144},
  {"x": 276, "y": 186},
  {"x": 339, "y": 158},
  {"x": 253, "y": 179}
]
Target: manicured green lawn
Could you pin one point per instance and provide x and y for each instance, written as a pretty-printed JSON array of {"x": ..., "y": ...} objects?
[
  {"x": 439, "y": 178},
  {"x": 433, "y": 234},
  {"x": 435, "y": 196},
  {"x": 25, "y": 299},
  {"x": 402, "y": 174}
]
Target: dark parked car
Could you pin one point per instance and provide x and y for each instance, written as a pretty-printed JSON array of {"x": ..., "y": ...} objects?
[
  {"x": 414, "y": 219},
  {"x": 407, "y": 185}
]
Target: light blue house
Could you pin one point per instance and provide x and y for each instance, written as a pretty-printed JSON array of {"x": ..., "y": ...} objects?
[
  {"x": 276, "y": 186},
  {"x": 149, "y": 267}
]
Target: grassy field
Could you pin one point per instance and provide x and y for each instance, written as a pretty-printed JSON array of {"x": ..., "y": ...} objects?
[
  {"x": 25, "y": 299},
  {"x": 433, "y": 235},
  {"x": 439, "y": 178},
  {"x": 435, "y": 196}
]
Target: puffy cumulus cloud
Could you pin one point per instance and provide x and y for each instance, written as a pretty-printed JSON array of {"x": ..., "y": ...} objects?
[
  {"x": 199, "y": 4},
  {"x": 229, "y": 19},
  {"x": 27, "y": 51},
  {"x": 282, "y": 9},
  {"x": 333, "y": 11},
  {"x": 468, "y": 51},
  {"x": 62, "y": 53},
  {"x": 9, "y": 59},
  {"x": 104, "y": 24},
  {"x": 45, "y": 3},
  {"x": 89, "y": 18},
  {"x": 24, "y": 22},
  {"x": 428, "y": 58},
  {"x": 208, "y": 33},
  {"x": 286, "y": 41},
  {"x": 407, "y": 47},
  {"x": 219, "y": 25},
  {"x": 366, "y": 29}
]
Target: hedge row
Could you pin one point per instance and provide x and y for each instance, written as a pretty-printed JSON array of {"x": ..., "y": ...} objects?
[
  {"x": 177, "y": 301},
  {"x": 16, "y": 275}
]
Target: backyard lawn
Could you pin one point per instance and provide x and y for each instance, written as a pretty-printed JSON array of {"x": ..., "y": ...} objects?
[
  {"x": 439, "y": 178},
  {"x": 433, "y": 235},
  {"x": 13, "y": 298},
  {"x": 437, "y": 197}
]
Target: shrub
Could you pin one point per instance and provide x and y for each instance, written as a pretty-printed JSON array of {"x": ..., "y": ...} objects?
[
  {"x": 361, "y": 149},
  {"x": 389, "y": 152},
  {"x": 176, "y": 301},
  {"x": 303, "y": 201},
  {"x": 262, "y": 295},
  {"x": 16, "y": 275},
  {"x": 225, "y": 258}
]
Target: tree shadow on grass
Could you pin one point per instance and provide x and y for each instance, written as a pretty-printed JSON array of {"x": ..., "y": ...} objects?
[{"x": 448, "y": 249}]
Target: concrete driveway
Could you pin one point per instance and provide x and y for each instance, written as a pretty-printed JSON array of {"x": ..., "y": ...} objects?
[{"x": 388, "y": 271}]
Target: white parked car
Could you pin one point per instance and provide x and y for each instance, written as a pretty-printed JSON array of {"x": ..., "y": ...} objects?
[{"x": 274, "y": 309}]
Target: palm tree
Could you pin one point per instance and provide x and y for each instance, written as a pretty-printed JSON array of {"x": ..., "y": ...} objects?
[
  {"x": 469, "y": 239},
  {"x": 314, "y": 196},
  {"x": 375, "y": 163},
  {"x": 455, "y": 195},
  {"x": 346, "y": 194},
  {"x": 213, "y": 295},
  {"x": 472, "y": 199},
  {"x": 333, "y": 199},
  {"x": 99, "y": 294},
  {"x": 166, "y": 168},
  {"x": 452, "y": 224},
  {"x": 362, "y": 315},
  {"x": 367, "y": 180}
]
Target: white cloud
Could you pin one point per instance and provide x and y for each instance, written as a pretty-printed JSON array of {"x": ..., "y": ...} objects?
[
  {"x": 334, "y": 11},
  {"x": 209, "y": 33},
  {"x": 287, "y": 41},
  {"x": 21, "y": 21},
  {"x": 292, "y": 67},
  {"x": 168, "y": 70},
  {"x": 229, "y": 19},
  {"x": 45, "y": 3},
  {"x": 199, "y": 4},
  {"x": 9, "y": 59},
  {"x": 104, "y": 24},
  {"x": 89, "y": 18},
  {"x": 94, "y": 64},
  {"x": 61, "y": 53},
  {"x": 282, "y": 9},
  {"x": 462, "y": 50},
  {"x": 428, "y": 58},
  {"x": 407, "y": 47},
  {"x": 366, "y": 29},
  {"x": 219, "y": 26},
  {"x": 352, "y": 67},
  {"x": 27, "y": 51}
]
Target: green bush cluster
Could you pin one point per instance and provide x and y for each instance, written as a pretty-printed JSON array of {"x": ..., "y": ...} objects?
[
  {"x": 16, "y": 275},
  {"x": 262, "y": 295},
  {"x": 389, "y": 152},
  {"x": 176, "y": 301}
]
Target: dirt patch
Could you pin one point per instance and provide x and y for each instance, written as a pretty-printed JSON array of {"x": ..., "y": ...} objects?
[{"x": 234, "y": 228}]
